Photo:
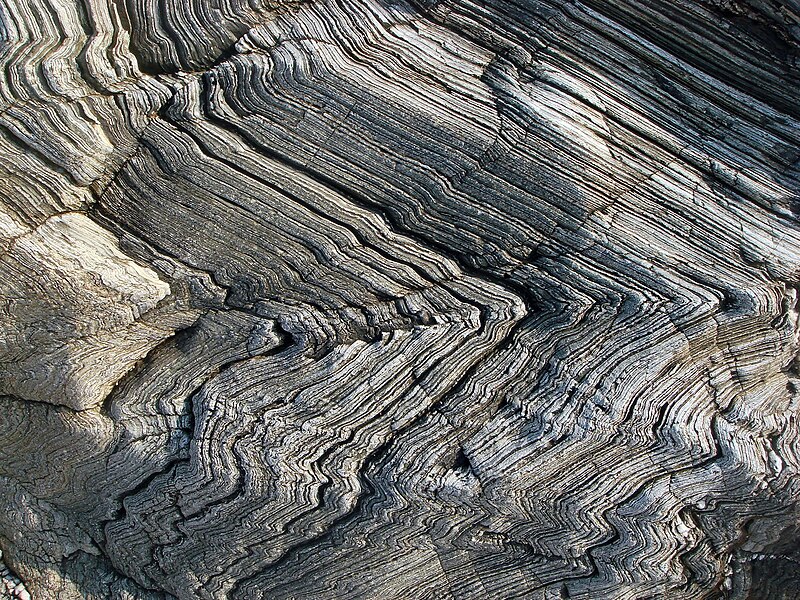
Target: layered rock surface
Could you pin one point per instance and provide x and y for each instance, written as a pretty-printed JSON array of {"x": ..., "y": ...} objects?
[{"x": 370, "y": 299}]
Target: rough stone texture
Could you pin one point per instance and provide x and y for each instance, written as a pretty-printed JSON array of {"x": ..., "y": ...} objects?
[{"x": 374, "y": 299}]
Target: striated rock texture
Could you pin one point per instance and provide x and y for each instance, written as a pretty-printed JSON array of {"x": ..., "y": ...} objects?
[{"x": 374, "y": 299}]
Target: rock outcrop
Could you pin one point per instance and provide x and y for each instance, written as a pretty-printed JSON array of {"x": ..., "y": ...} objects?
[{"x": 377, "y": 299}]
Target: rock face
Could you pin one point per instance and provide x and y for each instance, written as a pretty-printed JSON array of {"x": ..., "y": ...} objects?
[{"x": 374, "y": 299}]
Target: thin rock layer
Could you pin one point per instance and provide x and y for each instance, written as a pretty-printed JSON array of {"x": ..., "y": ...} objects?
[{"x": 370, "y": 299}]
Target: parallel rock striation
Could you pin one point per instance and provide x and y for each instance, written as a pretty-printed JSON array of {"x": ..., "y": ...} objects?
[{"x": 373, "y": 299}]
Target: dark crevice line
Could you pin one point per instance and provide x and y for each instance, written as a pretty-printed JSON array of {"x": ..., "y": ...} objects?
[
  {"x": 141, "y": 364},
  {"x": 50, "y": 405},
  {"x": 97, "y": 191},
  {"x": 168, "y": 470}
]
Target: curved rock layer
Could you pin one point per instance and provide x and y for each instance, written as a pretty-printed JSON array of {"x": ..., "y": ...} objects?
[{"x": 368, "y": 299}]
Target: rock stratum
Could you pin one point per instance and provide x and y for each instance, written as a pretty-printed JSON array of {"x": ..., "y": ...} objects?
[{"x": 373, "y": 299}]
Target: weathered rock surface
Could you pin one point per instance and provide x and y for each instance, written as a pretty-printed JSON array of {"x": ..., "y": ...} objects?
[{"x": 374, "y": 299}]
